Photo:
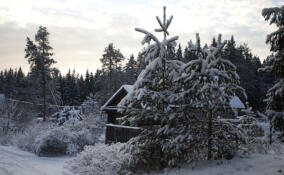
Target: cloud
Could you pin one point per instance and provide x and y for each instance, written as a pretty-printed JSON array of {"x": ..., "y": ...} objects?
[{"x": 80, "y": 30}]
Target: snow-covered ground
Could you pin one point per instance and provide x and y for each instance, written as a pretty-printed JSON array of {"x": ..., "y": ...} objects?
[
  {"x": 17, "y": 162},
  {"x": 255, "y": 164}
]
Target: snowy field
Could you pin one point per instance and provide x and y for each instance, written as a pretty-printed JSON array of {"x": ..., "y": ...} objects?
[{"x": 17, "y": 162}]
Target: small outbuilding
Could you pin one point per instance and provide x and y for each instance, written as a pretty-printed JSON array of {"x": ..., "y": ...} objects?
[
  {"x": 114, "y": 131},
  {"x": 110, "y": 107}
]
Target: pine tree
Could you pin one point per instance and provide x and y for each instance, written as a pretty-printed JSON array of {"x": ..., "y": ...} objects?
[
  {"x": 147, "y": 104},
  {"x": 40, "y": 59},
  {"x": 275, "y": 95},
  {"x": 111, "y": 61},
  {"x": 10, "y": 82},
  {"x": 19, "y": 77},
  {"x": 214, "y": 43},
  {"x": 208, "y": 83},
  {"x": 179, "y": 53},
  {"x": 131, "y": 70},
  {"x": 230, "y": 47},
  {"x": 190, "y": 54},
  {"x": 92, "y": 84},
  {"x": 82, "y": 88}
]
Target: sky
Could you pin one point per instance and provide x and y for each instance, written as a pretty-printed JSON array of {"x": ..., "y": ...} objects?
[{"x": 80, "y": 30}]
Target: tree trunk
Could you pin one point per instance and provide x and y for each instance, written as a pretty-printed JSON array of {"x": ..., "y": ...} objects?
[
  {"x": 209, "y": 116},
  {"x": 44, "y": 99},
  {"x": 270, "y": 131}
]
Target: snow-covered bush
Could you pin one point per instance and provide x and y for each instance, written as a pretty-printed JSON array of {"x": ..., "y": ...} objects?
[
  {"x": 26, "y": 140},
  {"x": 67, "y": 131},
  {"x": 91, "y": 106},
  {"x": 67, "y": 115},
  {"x": 277, "y": 120},
  {"x": 100, "y": 159},
  {"x": 69, "y": 138},
  {"x": 12, "y": 118},
  {"x": 254, "y": 134},
  {"x": 250, "y": 126}
]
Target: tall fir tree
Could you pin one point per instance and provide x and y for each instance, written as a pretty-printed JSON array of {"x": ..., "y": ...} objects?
[
  {"x": 147, "y": 104},
  {"x": 275, "y": 95}
]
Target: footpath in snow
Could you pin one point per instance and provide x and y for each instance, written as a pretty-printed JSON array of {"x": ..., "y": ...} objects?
[{"x": 17, "y": 162}]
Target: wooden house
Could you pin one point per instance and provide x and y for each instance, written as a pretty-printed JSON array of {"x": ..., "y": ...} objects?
[{"x": 118, "y": 133}]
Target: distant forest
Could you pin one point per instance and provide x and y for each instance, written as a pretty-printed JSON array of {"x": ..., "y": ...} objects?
[{"x": 73, "y": 88}]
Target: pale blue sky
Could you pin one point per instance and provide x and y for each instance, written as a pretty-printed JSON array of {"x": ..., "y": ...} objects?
[{"x": 80, "y": 30}]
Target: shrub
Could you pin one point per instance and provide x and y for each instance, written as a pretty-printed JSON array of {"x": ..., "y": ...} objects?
[
  {"x": 100, "y": 159},
  {"x": 67, "y": 115},
  {"x": 70, "y": 138}
]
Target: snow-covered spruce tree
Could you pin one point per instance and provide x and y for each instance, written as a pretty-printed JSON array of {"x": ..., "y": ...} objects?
[
  {"x": 207, "y": 84},
  {"x": 275, "y": 95},
  {"x": 147, "y": 104}
]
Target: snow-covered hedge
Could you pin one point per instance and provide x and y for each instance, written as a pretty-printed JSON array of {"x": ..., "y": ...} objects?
[{"x": 100, "y": 159}]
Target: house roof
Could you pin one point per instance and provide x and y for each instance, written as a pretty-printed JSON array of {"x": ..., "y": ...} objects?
[
  {"x": 126, "y": 87},
  {"x": 236, "y": 103}
]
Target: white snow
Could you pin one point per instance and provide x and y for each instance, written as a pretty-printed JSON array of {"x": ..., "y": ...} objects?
[
  {"x": 236, "y": 103},
  {"x": 17, "y": 162},
  {"x": 255, "y": 164},
  {"x": 122, "y": 126},
  {"x": 127, "y": 87}
]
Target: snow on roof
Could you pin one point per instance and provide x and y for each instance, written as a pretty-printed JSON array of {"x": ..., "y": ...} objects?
[
  {"x": 126, "y": 87},
  {"x": 122, "y": 126},
  {"x": 236, "y": 103}
]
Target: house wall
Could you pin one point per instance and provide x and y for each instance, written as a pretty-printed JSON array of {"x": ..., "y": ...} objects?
[
  {"x": 112, "y": 115},
  {"x": 120, "y": 134}
]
